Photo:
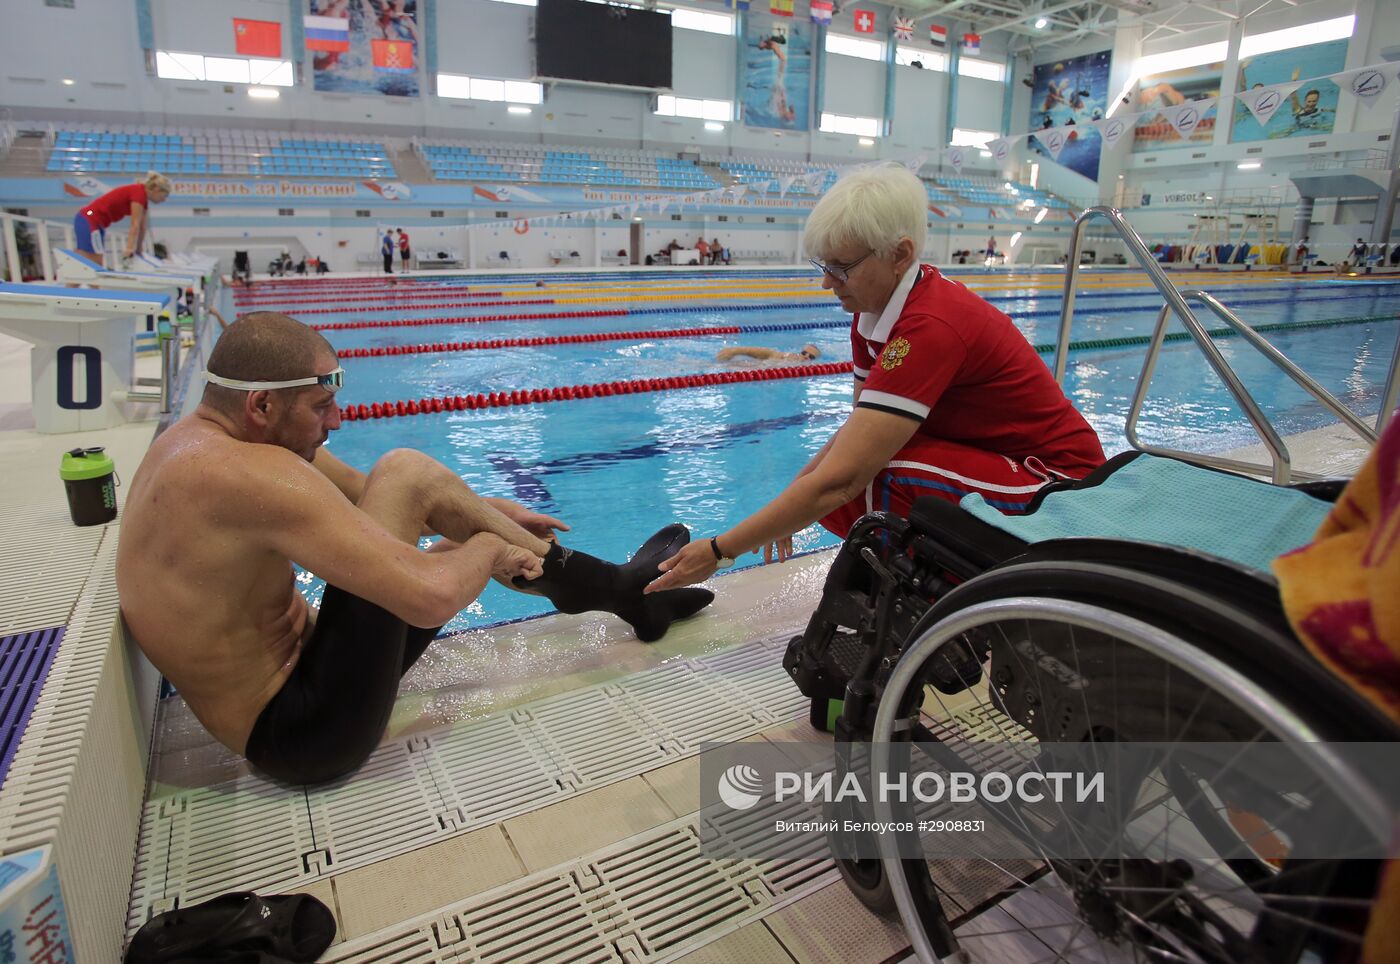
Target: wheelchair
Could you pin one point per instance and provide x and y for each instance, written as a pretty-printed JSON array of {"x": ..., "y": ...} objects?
[{"x": 950, "y": 635}]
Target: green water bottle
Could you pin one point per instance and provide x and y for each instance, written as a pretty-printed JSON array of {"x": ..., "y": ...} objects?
[{"x": 89, "y": 476}]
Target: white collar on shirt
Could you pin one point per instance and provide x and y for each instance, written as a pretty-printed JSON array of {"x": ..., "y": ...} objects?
[{"x": 877, "y": 329}]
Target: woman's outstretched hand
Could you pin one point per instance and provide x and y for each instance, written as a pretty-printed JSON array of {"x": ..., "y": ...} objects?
[{"x": 696, "y": 562}]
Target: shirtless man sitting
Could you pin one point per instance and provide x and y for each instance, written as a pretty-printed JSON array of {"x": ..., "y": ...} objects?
[
  {"x": 741, "y": 352},
  {"x": 230, "y": 496}
]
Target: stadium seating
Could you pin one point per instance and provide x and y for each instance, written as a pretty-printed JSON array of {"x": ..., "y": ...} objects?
[
  {"x": 535, "y": 164},
  {"x": 132, "y": 150}
]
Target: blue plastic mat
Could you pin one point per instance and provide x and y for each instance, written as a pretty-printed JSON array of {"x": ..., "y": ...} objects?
[
  {"x": 24, "y": 665},
  {"x": 1163, "y": 500}
]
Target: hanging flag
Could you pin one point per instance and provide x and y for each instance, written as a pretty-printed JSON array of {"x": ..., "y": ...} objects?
[
  {"x": 394, "y": 56},
  {"x": 938, "y": 36},
  {"x": 784, "y": 183},
  {"x": 257, "y": 38},
  {"x": 1264, "y": 102},
  {"x": 865, "y": 21},
  {"x": 1053, "y": 139},
  {"x": 820, "y": 11},
  {"x": 972, "y": 43},
  {"x": 903, "y": 28},
  {"x": 1001, "y": 149},
  {"x": 327, "y": 34},
  {"x": 955, "y": 158},
  {"x": 780, "y": 8},
  {"x": 1112, "y": 129},
  {"x": 737, "y": 4},
  {"x": 1185, "y": 118},
  {"x": 1366, "y": 83}
]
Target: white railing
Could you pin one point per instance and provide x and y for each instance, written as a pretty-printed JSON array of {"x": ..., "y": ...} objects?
[{"x": 24, "y": 237}]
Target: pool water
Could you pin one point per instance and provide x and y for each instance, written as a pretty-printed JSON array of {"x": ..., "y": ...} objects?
[{"x": 618, "y": 468}]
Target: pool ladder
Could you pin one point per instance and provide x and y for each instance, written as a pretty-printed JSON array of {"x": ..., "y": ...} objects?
[{"x": 1178, "y": 302}]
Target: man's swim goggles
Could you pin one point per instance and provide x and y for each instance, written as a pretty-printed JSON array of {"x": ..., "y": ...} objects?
[{"x": 331, "y": 382}]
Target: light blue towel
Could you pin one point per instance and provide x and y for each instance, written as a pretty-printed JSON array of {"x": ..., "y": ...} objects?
[{"x": 1163, "y": 500}]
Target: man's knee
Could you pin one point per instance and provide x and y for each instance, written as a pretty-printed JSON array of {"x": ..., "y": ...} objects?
[{"x": 409, "y": 470}]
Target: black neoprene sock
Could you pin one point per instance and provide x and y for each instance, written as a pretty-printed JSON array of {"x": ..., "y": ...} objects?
[{"x": 577, "y": 582}]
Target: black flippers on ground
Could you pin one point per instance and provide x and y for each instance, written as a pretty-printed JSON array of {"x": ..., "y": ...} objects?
[
  {"x": 577, "y": 582},
  {"x": 237, "y": 927}
]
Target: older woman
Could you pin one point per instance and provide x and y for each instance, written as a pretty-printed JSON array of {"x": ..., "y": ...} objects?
[
  {"x": 129, "y": 199},
  {"x": 950, "y": 398}
]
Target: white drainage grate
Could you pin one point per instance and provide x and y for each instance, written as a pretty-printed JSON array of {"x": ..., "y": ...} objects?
[
  {"x": 250, "y": 834},
  {"x": 649, "y": 898}
]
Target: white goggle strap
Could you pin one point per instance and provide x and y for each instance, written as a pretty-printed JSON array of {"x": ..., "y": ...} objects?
[{"x": 265, "y": 386}]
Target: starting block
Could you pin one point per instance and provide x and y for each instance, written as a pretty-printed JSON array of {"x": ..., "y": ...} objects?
[{"x": 81, "y": 364}]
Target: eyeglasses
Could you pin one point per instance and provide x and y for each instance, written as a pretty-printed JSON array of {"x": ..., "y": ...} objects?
[
  {"x": 81, "y": 453},
  {"x": 840, "y": 273},
  {"x": 331, "y": 382}
]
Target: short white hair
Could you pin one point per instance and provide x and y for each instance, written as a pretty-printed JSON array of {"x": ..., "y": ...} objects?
[{"x": 872, "y": 207}]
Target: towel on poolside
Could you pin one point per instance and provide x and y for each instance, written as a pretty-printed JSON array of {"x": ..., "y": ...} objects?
[
  {"x": 1342, "y": 595},
  {"x": 1162, "y": 500}
]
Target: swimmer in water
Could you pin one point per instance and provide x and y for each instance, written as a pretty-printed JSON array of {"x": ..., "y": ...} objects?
[{"x": 742, "y": 353}]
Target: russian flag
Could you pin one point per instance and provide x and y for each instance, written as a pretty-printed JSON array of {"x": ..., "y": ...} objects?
[{"x": 327, "y": 34}]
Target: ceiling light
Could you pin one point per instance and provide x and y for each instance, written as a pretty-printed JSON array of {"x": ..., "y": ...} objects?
[
  {"x": 1040, "y": 215},
  {"x": 713, "y": 126},
  {"x": 985, "y": 153},
  {"x": 68, "y": 82},
  {"x": 867, "y": 142},
  {"x": 1040, "y": 24},
  {"x": 517, "y": 109},
  {"x": 1249, "y": 165},
  {"x": 264, "y": 93}
]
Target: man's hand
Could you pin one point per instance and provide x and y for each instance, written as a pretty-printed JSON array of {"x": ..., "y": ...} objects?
[
  {"x": 512, "y": 561},
  {"x": 694, "y": 563},
  {"x": 538, "y": 524}
]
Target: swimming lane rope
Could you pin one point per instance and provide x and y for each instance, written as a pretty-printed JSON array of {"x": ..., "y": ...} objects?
[
  {"x": 566, "y": 393},
  {"x": 536, "y": 316},
  {"x": 643, "y": 335}
]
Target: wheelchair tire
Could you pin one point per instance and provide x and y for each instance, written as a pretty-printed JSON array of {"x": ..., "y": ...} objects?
[
  {"x": 868, "y": 883},
  {"x": 1308, "y": 704}
]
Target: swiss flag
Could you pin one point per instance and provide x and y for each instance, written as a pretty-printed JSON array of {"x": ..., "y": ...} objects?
[
  {"x": 257, "y": 38},
  {"x": 865, "y": 21}
]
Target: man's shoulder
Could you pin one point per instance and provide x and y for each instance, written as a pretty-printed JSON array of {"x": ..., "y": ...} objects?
[{"x": 203, "y": 460}]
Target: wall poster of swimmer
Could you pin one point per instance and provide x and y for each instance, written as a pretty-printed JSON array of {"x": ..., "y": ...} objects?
[
  {"x": 777, "y": 74},
  {"x": 1154, "y": 131},
  {"x": 1072, "y": 91},
  {"x": 1311, "y": 109},
  {"x": 364, "y": 46}
]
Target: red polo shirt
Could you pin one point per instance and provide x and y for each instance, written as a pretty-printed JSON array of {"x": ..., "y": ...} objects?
[{"x": 941, "y": 355}]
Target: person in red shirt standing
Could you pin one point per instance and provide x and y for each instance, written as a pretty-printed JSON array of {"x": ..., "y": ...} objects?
[
  {"x": 950, "y": 398},
  {"x": 405, "y": 252},
  {"x": 130, "y": 199}
]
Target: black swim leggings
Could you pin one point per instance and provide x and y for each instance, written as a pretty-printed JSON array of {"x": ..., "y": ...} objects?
[{"x": 334, "y": 708}]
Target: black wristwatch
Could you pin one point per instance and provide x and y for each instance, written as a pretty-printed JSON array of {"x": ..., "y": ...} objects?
[{"x": 721, "y": 560}]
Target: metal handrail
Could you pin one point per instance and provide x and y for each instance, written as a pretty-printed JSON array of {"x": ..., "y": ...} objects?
[
  {"x": 1280, "y": 468},
  {"x": 1300, "y": 377}
]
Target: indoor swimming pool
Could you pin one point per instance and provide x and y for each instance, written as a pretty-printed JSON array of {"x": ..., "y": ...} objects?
[{"x": 617, "y": 468}]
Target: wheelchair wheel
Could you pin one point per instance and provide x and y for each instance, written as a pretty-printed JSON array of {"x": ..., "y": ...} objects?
[{"x": 1201, "y": 866}]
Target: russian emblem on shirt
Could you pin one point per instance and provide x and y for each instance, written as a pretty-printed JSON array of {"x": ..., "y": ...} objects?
[{"x": 893, "y": 355}]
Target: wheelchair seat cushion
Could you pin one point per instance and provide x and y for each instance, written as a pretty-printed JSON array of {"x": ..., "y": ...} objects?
[{"x": 1163, "y": 500}]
